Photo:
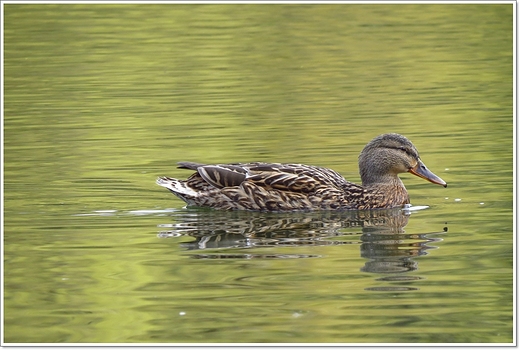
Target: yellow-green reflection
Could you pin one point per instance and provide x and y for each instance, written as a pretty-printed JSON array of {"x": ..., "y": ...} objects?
[{"x": 100, "y": 99}]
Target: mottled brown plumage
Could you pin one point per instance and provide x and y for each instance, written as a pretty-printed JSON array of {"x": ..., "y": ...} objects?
[{"x": 289, "y": 187}]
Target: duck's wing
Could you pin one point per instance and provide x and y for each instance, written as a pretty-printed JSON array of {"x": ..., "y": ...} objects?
[
  {"x": 284, "y": 177},
  {"x": 221, "y": 176},
  {"x": 263, "y": 186},
  {"x": 293, "y": 177},
  {"x": 218, "y": 176},
  {"x": 189, "y": 165}
]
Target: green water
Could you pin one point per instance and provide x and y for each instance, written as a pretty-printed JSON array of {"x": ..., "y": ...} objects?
[{"x": 99, "y": 100}]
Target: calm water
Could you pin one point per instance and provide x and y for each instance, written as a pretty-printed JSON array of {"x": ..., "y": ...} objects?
[{"x": 102, "y": 99}]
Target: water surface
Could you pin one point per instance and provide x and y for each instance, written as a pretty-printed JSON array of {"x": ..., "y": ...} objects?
[{"x": 101, "y": 99}]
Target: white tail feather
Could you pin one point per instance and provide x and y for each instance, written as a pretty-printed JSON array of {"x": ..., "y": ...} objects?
[{"x": 176, "y": 186}]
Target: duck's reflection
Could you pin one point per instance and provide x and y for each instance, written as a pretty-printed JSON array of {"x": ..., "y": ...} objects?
[{"x": 380, "y": 234}]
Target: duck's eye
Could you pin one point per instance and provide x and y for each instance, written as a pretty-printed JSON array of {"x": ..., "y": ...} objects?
[{"x": 407, "y": 151}]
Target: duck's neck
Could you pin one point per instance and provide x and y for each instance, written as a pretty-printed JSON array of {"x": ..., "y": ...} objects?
[
  {"x": 392, "y": 189},
  {"x": 381, "y": 180}
]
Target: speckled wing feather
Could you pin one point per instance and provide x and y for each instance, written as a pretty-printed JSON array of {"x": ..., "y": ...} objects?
[
  {"x": 299, "y": 187},
  {"x": 189, "y": 165},
  {"x": 221, "y": 176}
]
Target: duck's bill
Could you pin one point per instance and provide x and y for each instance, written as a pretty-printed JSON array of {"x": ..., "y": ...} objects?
[{"x": 423, "y": 172}]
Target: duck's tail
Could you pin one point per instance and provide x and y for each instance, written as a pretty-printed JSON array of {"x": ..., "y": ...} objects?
[{"x": 178, "y": 188}]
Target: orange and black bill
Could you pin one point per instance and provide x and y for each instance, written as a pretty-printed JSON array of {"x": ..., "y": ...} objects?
[{"x": 423, "y": 172}]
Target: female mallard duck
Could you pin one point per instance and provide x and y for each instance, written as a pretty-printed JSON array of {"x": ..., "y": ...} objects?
[{"x": 290, "y": 187}]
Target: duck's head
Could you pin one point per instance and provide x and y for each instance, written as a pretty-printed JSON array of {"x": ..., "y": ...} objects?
[{"x": 388, "y": 155}]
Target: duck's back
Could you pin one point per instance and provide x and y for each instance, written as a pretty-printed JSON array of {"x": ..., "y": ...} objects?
[{"x": 265, "y": 187}]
